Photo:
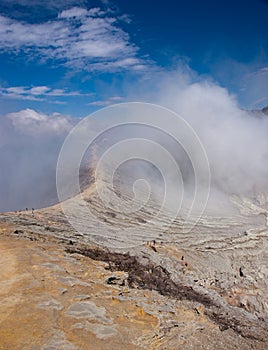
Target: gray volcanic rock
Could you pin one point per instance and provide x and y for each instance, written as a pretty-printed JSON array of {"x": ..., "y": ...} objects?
[
  {"x": 265, "y": 110},
  {"x": 206, "y": 288}
]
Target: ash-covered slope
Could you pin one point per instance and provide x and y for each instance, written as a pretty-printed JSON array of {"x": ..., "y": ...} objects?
[{"x": 218, "y": 271}]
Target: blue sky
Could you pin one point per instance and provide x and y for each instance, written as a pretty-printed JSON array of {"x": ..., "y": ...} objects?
[{"x": 73, "y": 57}]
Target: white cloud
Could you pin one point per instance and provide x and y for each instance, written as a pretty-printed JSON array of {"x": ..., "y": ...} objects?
[
  {"x": 19, "y": 96},
  {"x": 109, "y": 101},
  {"x": 30, "y": 122},
  {"x": 39, "y": 90},
  {"x": 78, "y": 38},
  {"x": 262, "y": 71},
  {"x": 37, "y": 93},
  {"x": 61, "y": 92},
  {"x": 30, "y": 143},
  {"x": 48, "y": 4},
  {"x": 74, "y": 12},
  {"x": 16, "y": 89}
]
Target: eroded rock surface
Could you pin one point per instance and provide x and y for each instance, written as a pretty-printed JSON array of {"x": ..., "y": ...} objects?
[{"x": 203, "y": 290}]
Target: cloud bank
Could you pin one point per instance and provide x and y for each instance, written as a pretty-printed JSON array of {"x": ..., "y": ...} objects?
[{"x": 29, "y": 147}]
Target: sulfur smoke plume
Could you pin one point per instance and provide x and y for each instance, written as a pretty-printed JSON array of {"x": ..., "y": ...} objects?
[{"x": 235, "y": 140}]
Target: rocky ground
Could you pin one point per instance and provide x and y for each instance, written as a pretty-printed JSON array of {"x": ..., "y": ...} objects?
[{"x": 60, "y": 290}]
